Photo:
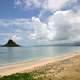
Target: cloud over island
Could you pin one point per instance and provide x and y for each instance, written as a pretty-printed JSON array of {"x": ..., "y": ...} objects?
[{"x": 57, "y": 21}]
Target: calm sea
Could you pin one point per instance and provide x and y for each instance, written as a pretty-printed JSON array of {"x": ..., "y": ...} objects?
[{"x": 18, "y": 54}]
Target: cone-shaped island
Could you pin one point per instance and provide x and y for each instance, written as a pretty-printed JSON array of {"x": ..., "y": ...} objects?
[{"x": 11, "y": 43}]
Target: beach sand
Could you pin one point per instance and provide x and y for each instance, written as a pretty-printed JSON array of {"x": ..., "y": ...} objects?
[
  {"x": 23, "y": 66},
  {"x": 66, "y": 67}
]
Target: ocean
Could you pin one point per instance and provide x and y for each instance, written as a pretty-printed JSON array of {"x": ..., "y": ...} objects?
[{"x": 10, "y": 55}]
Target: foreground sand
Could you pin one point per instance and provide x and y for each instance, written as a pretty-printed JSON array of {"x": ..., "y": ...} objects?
[
  {"x": 67, "y": 69},
  {"x": 61, "y": 68},
  {"x": 23, "y": 66}
]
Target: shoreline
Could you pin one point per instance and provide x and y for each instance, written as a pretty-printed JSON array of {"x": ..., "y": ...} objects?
[{"x": 27, "y": 66}]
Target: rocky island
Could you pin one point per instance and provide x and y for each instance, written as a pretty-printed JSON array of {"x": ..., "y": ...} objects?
[{"x": 10, "y": 43}]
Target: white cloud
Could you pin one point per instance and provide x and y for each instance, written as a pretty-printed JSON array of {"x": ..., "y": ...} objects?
[
  {"x": 44, "y": 4},
  {"x": 55, "y": 4},
  {"x": 16, "y": 29},
  {"x": 42, "y": 30},
  {"x": 29, "y": 3},
  {"x": 67, "y": 25},
  {"x": 16, "y": 38},
  {"x": 8, "y": 22},
  {"x": 60, "y": 26}
]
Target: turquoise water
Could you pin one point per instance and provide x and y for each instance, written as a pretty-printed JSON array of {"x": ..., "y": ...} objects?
[{"x": 18, "y": 54}]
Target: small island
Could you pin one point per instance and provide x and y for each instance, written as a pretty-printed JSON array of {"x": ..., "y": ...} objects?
[{"x": 10, "y": 43}]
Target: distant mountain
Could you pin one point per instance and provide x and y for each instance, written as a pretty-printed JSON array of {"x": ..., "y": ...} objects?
[
  {"x": 68, "y": 44},
  {"x": 61, "y": 44},
  {"x": 64, "y": 44},
  {"x": 77, "y": 44},
  {"x": 10, "y": 43}
]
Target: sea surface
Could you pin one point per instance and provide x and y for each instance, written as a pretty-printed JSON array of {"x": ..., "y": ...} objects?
[{"x": 18, "y": 54}]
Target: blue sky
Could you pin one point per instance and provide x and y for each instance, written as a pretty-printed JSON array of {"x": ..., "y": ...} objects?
[
  {"x": 39, "y": 21},
  {"x": 8, "y": 10}
]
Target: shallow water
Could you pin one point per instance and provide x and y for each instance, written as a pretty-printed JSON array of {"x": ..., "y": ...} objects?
[{"x": 18, "y": 54}]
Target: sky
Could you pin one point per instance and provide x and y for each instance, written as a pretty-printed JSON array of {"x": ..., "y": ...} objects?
[{"x": 31, "y": 22}]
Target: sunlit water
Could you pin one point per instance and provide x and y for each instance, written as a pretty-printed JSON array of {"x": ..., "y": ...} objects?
[{"x": 18, "y": 54}]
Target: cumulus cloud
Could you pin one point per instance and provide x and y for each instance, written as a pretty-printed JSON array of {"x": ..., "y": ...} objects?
[
  {"x": 59, "y": 20},
  {"x": 61, "y": 26},
  {"x": 42, "y": 30}
]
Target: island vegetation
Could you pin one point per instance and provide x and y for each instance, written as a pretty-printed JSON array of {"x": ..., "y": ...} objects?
[{"x": 10, "y": 43}]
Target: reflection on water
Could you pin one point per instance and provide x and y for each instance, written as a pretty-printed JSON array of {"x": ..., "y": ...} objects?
[{"x": 15, "y": 54}]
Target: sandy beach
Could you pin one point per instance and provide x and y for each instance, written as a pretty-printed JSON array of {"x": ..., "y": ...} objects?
[
  {"x": 29, "y": 66},
  {"x": 23, "y": 66},
  {"x": 66, "y": 69}
]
